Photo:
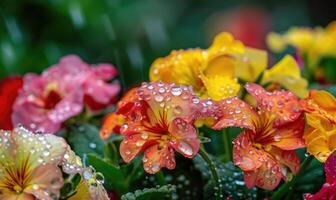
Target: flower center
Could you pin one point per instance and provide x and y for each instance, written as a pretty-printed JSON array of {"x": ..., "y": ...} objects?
[
  {"x": 52, "y": 99},
  {"x": 17, "y": 188}
]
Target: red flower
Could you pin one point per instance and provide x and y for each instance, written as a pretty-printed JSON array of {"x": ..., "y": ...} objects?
[
  {"x": 157, "y": 118},
  {"x": 265, "y": 149},
  {"x": 9, "y": 88},
  {"x": 328, "y": 189}
]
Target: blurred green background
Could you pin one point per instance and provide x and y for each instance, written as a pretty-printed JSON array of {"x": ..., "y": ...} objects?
[{"x": 34, "y": 34}]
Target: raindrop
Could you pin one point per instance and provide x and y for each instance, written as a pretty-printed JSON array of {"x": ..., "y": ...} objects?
[
  {"x": 186, "y": 149},
  {"x": 176, "y": 91},
  {"x": 144, "y": 136},
  {"x": 92, "y": 145}
]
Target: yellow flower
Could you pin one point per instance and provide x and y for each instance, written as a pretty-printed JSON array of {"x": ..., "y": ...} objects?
[
  {"x": 212, "y": 72},
  {"x": 30, "y": 166},
  {"x": 287, "y": 73},
  {"x": 90, "y": 187},
  {"x": 320, "y": 137},
  {"x": 314, "y": 43}
]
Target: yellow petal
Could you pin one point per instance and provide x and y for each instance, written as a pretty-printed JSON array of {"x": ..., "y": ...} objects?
[
  {"x": 276, "y": 42},
  {"x": 300, "y": 38},
  {"x": 324, "y": 99},
  {"x": 220, "y": 66},
  {"x": 287, "y": 73},
  {"x": 250, "y": 64},
  {"x": 219, "y": 87},
  {"x": 224, "y": 43}
]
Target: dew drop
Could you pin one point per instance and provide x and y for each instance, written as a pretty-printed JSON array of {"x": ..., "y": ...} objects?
[
  {"x": 176, "y": 91},
  {"x": 186, "y": 149}
]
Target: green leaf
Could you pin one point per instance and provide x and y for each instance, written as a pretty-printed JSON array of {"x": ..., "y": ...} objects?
[
  {"x": 329, "y": 67},
  {"x": 114, "y": 177},
  {"x": 111, "y": 153},
  {"x": 84, "y": 139},
  {"x": 231, "y": 179},
  {"x": 164, "y": 192}
]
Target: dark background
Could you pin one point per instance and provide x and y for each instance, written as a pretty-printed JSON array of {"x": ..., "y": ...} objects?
[{"x": 34, "y": 34}]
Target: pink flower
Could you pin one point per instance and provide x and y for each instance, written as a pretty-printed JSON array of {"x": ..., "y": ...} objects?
[
  {"x": 328, "y": 189},
  {"x": 48, "y": 100}
]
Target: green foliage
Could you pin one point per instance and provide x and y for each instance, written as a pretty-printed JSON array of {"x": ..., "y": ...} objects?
[
  {"x": 84, "y": 139},
  {"x": 328, "y": 66},
  {"x": 231, "y": 180},
  {"x": 115, "y": 179},
  {"x": 163, "y": 192}
]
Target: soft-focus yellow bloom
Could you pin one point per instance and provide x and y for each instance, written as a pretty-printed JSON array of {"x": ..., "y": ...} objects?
[
  {"x": 212, "y": 72},
  {"x": 320, "y": 137},
  {"x": 312, "y": 43},
  {"x": 287, "y": 73}
]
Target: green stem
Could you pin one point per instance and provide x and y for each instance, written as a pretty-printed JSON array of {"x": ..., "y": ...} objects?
[
  {"x": 160, "y": 178},
  {"x": 213, "y": 170},
  {"x": 288, "y": 187},
  {"x": 227, "y": 145}
]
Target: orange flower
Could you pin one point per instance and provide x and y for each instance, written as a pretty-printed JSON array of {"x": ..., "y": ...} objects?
[
  {"x": 320, "y": 108},
  {"x": 158, "y": 118},
  {"x": 265, "y": 149}
]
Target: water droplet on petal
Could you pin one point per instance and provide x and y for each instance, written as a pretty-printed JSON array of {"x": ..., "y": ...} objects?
[{"x": 185, "y": 148}]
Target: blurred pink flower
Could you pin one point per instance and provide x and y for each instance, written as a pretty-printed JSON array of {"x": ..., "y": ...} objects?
[{"x": 48, "y": 100}]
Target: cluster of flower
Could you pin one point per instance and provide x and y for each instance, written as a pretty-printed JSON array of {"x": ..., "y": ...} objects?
[{"x": 226, "y": 85}]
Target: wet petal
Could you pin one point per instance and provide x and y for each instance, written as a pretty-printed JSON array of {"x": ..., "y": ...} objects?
[
  {"x": 46, "y": 182},
  {"x": 285, "y": 105},
  {"x": 155, "y": 158},
  {"x": 289, "y": 136},
  {"x": 224, "y": 43},
  {"x": 171, "y": 101},
  {"x": 185, "y": 139},
  {"x": 327, "y": 192},
  {"x": 132, "y": 145},
  {"x": 330, "y": 169},
  {"x": 263, "y": 177},
  {"x": 287, "y": 158},
  {"x": 321, "y": 103},
  {"x": 245, "y": 156},
  {"x": 219, "y": 87},
  {"x": 233, "y": 112},
  {"x": 40, "y": 148},
  {"x": 111, "y": 124}
]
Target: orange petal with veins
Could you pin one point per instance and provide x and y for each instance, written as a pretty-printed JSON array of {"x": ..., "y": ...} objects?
[{"x": 155, "y": 158}]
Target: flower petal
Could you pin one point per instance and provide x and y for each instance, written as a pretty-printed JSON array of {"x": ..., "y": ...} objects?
[
  {"x": 287, "y": 158},
  {"x": 185, "y": 139},
  {"x": 233, "y": 112},
  {"x": 289, "y": 136},
  {"x": 321, "y": 103},
  {"x": 219, "y": 87},
  {"x": 285, "y": 105},
  {"x": 9, "y": 89},
  {"x": 172, "y": 101},
  {"x": 263, "y": 177},
  {"x": 330, "y": 169},
  {"x": 251, "y": 64},
  {"x": 111, "y": 124},
  {"x": 46, "y": 182},
  {"x": 245, "y": 155},
  {"x": 133, "y": 144},
  {"x": 287, "y": 73},
  {"x": 155, "y": 158}
]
